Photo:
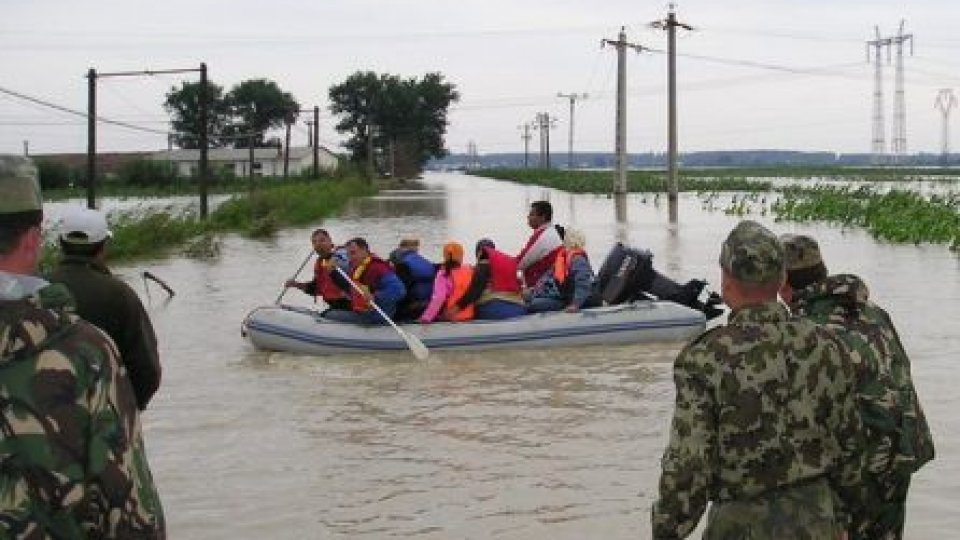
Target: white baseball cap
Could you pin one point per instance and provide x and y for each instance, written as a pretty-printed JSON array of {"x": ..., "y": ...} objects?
[{"x": 84, "y": 226}]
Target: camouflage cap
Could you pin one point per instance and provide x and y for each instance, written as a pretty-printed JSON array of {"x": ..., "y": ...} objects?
[
  {"x": 801, "y": 251},
  {"x": 19, "y": 185},
  {"x": 752, "y": 253}
]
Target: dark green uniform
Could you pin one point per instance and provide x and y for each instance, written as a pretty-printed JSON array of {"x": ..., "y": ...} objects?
[
  {"x": 765, "y": 425},
  {"x": 72, "y": 461},
  {"x": 898, "y": 439},
  {"x": 112, "y": 305}
]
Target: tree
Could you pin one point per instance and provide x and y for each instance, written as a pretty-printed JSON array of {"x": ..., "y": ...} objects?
[
  {"x": 258, "y": 105},
  {"x": 183, "y": 104},
  {"x": 405, "y": 116}
]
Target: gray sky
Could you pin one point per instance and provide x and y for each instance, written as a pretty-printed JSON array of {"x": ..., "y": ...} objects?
[{"x": 754, "y": 74}]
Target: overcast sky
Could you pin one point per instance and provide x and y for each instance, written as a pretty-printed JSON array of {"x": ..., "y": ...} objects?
[{"x": 753, "y": 74}]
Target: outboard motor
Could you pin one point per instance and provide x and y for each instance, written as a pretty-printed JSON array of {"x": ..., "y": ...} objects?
[{"x": 627, "y": 275}]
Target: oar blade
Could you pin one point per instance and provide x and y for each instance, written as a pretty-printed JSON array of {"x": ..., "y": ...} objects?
[{"x": 419, "y": 350}]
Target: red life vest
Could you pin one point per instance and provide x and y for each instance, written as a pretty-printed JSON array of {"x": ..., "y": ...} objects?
[
  {"x": 326, "y": 288},
  {"x": 503, "y": 271},
  {"x": 357, "y": 301},
  {"x": 460, "y": 277}
]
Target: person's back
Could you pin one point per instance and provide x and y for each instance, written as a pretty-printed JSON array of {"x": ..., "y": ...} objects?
[
  {"x": 898, "y": 439},
  {"x": 765, "y": 424},
  {"x": 74, "y": 462},
  {"x": 108, "y": 302}
]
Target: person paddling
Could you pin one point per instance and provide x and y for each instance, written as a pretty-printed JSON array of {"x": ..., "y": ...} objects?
[
  {"x": 323, "y": 285},
  {"x": 378, "y": 283}
]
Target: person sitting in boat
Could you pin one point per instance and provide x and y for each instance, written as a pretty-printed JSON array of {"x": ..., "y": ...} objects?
[
  {"x": 571, "y": 285},
  {"x": 537, "y": 256},
  {"x": 376, "y": 280},
  {"x": 417, "y": 275},
  {"x": 449, "y": 286},
  {"x": 323, "y": 285},
  {"x": 494, "y": 290}
]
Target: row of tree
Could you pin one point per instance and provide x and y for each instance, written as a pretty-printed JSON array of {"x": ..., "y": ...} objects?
[{"x": 392, "y": 123}]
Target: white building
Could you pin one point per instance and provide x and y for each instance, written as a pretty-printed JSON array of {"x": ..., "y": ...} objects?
[{"x": 266, "y": 161}]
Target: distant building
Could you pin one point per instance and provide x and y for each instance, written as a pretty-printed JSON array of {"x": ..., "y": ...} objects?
[{"x": 236, "y": 161}]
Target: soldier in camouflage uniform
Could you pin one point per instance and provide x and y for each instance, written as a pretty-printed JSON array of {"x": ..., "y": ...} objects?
[
  {"x": 765, "y": 425},
  {"x": 898, "y": 440},
  {"x": 72, "y": 461}
]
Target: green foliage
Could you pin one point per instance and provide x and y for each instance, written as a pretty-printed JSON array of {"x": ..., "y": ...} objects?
[
  {"x": 410, "y": 116},
  {"x": 54, "y": 175},
  {"x": 603, "y": 181},
  {"x": 147, "y": 172},
  {"x": 256, "y": 106},
  {"x": 183, "y": 105}
]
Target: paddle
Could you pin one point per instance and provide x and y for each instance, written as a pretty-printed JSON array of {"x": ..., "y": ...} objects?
[
  {"x": 416, "y": 346},
  {"x": 304, "y": 263}
]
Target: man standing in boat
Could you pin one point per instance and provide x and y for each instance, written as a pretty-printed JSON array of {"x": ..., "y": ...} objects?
[
  {"x": 898, "y": 438},
  {"x": 538, "y": 254},
  {"x": 377, "y": 281},
  {"x": 323, "y": 285},
  {"x": 766, "y": 425}
]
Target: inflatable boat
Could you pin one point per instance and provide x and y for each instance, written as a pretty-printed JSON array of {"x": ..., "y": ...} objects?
[{"x": 301, "y": 330}]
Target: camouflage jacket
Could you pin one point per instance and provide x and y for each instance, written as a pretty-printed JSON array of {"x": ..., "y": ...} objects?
[
  {"x": 763, "y": 404},
  {"x": 898, "y": 437},
  {"x": 72, "y": 461}
]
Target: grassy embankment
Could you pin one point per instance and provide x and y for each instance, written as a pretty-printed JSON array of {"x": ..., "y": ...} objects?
[
  {"x": 155, "y": 233},
  {"x": 895, "y": 215}
]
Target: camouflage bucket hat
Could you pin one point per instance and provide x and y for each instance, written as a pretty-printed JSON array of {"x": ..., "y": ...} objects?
[
  {"x": 752, "y": 253},
  {"x": 801, "y": 251},
  {"x": 19, "y": 186}
]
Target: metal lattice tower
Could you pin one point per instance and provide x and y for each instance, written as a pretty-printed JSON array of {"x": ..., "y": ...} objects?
[
  {"x": 878, "y": 143},
  {"x": 899, "y": 107},
  {"x": 945, "y": 102}
]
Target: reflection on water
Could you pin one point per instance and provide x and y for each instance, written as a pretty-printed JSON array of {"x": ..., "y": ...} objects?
[{"x": 554, "y": 443}]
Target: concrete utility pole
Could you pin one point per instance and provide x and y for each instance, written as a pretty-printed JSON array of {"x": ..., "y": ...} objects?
[
  {"x": 544, "y": 124},
  {"x": 945, "y": 102},
  {"x": 899, "y": 106},
  {"x": 525, "y": 136},
  {"x": 316, "y": 141},
  {"x": 621, "y": 45},
  {"x": 670, "y": 24},
  {"x": 92, "y": 77},
  {"x": 573, "y": 97}
]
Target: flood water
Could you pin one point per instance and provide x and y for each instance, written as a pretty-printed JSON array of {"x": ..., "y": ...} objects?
[{"x": 558, "y": 444}]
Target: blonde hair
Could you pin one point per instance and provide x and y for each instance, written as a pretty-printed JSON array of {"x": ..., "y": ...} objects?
[{"x": 574, "y": 239}]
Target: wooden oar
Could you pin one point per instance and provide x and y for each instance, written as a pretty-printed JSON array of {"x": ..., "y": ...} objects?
[
  {"x": 416, "y": 346},
  {"x": 304, "y": 263}
]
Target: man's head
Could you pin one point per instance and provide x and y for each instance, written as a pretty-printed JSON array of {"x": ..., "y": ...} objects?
[
  {"x": 322, "y": 243},
  {"x": 803, "y": 262},
  {"x": 357, "y": 250},
  {"x": 540, "y": 212},
  {"x": 21, "y": 213},
  {"x": 752, "y": 262},
  {"x": 83, "y": 232},
  {"x": 482, "y": 245}
]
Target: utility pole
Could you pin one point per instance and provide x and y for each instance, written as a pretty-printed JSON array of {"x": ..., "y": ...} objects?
[
  {"x": 573, "y": 97},
  {"x": 878, "y": 146},
  {"x": 26, "y": 148},
  {"x": 204, "y": 143},
  {"x": 670, "y": 24},
  {"x": 525, "y": 136},
  {"x": 286, "y": 150},
  {"x": 316, "y": 141},
  {"x": 91, "y": 138},
  {"x": 621, "y": 45},
  {"x": 945, "y": 102},
  {"x": 544, "y": 124},
  {"x": 899, "y": 106}
]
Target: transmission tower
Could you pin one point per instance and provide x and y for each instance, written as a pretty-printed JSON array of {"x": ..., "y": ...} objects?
[
  {"x": 878, "y": 146},
  {"x": 945, "y": 102},
  {"x": 899, "y": 108},
  {"x": 573, "y": 101},
  {"x": 544, "y": 124},
  {"x": 621, "y": 45}
]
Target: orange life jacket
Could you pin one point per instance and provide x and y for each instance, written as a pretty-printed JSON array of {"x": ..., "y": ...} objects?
[
  {"x": 460, "y": 277},
  {"x": 563, "y": 262}
]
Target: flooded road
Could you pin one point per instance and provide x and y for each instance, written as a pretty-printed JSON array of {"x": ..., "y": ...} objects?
[{"x": 559, "y": 444}]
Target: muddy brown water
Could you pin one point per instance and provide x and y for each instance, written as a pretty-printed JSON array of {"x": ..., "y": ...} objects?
[{"x": 559, "y": 444}]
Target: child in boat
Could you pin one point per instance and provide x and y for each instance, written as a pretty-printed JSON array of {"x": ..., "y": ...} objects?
[
  {"x": 571, "y": 284},
  {"x": 449, "y": 286}
]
